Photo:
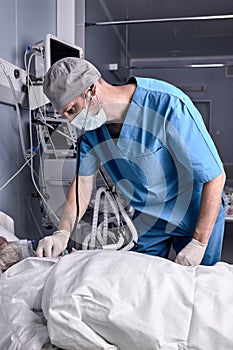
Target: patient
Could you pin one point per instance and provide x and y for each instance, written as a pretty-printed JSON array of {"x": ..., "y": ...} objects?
[
  {"x": 116, "y": 300},
  {"x": 13, "y": 252},
  {"x": 10, "y": 253}
]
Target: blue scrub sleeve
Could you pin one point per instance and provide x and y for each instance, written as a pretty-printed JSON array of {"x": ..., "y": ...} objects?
[
  {"x": 190, "y": 143},
  {"x": 89, "y": 162}
]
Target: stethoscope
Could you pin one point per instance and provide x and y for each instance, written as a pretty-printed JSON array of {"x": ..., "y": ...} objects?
[
  {"x": 134, "y": 236},
  {"x": 79, "y": 140}
]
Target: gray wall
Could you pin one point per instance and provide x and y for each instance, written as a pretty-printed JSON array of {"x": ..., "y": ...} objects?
[
  {"x": 22, "y": 22},
  {"x": 103, "y": 45}
]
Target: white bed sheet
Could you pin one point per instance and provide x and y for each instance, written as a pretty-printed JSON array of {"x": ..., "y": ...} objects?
[
  {"x": 22, "y": 325},
  {"x": 116, "y": 300}
]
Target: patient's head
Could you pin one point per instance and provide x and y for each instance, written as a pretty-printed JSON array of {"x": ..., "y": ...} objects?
[
  {"x": 10, "y": 253},
  {"x": 3, "y": 242}
]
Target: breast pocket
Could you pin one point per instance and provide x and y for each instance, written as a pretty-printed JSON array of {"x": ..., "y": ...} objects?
[{"x": 157, "y": 172}]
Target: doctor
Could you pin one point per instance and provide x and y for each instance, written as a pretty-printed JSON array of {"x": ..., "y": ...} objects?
[{"x": 153, "y": 143}]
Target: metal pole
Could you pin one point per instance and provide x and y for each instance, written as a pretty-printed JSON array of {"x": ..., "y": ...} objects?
[{"x": 159, "y": 20}]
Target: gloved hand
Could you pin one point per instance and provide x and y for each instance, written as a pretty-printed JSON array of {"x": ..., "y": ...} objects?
[
  {"x": 52, "y": 246},
  {"x": 192, "y": 254}
]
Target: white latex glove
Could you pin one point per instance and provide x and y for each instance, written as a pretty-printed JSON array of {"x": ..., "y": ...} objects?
[
  {"x": 192, "y": 254},
  {"x": 52, "y": 246}
]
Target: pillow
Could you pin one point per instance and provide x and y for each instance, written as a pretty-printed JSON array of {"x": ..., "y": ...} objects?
[{"x": 7, "y": 234}]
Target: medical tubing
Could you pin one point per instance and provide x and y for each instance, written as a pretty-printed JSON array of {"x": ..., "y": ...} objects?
[
  {"x": 131, "y": 226},
  {"x": 32, "y": 174},
  {"x": 43, "y": 185},
  {"x": 124, "y": 215},
  {"x": 32, "y": 171},
  {"x": 58, "y": 131},
  {"x": 105, "y": 223},
  {"x": 95, "y": 218},
  {"x": 109, "y": 189},
  {"x": 27, "y": 67},
  {"x": 107, "y": 184},
  {"x": 43, "y": 119},
  {"x": 19, "y": 124},
  {"x": 52, "y": 144},
  {"x": 102, "y": 228},
  {"x": 31, "y": 141},
  {"x": 33, "y": 179},
  {"x": 115, "y": 208},
  {"x": 100, "y": 232},
  {"x": 113, "y": 205},
  {"x": 107, "y": 200},
  {"x": 111, "y": 235}
]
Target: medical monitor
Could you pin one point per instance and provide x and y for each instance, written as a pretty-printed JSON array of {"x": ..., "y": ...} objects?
[{"x": 54, "y": 49}]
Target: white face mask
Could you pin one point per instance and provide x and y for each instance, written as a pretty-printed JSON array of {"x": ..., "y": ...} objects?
[{"x": 93, "y": 121}]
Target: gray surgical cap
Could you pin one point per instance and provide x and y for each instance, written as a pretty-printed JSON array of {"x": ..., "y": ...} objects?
[{"x": 67, "y": 79}]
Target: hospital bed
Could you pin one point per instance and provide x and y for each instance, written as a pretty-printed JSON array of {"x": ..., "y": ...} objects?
[{"x": 115, "y": 300}]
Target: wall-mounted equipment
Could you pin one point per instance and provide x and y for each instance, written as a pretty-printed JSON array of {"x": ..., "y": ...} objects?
[
  {"x": 12, "y": 83},
  {"x": 54, "y": 49}
]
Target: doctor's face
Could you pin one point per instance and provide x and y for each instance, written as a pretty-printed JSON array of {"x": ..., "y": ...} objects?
[{"x": 73, "y": 108}]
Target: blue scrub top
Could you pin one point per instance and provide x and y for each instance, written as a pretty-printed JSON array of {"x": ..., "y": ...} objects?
[{"x": 161, "y": 159}]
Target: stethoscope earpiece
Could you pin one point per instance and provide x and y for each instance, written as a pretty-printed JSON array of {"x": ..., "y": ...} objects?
[{"x": 91, "y": 90}]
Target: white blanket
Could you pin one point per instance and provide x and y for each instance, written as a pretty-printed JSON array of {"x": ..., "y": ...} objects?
[
  {"x": 21, "y": 321},
  {"x": 116, "y": 300}
]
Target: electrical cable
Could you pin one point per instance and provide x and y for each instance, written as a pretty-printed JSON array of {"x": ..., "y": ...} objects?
[
  {"x": 15, "y": 174},
  {"x": 58, "y": 131},
  {"x": 32, "y": 154},
  {"x": 33, "y": 179},
  {"x": 31, "y": 145},
  {"x": 42, "y": 120}
]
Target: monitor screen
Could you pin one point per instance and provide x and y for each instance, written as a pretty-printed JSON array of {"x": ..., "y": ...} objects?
[
  {"x": 59, "y": 50},
  {"x": 54, "y": 49}
]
